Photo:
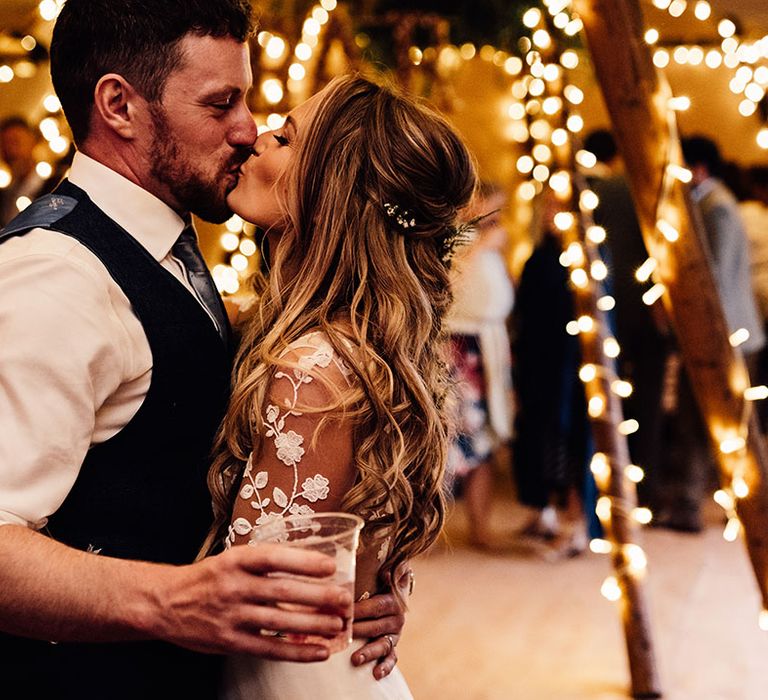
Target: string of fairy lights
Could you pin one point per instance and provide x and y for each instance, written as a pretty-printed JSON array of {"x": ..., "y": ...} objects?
[
  {"x": 546, "y": 117},
  {"x": 749, "y": 80}
]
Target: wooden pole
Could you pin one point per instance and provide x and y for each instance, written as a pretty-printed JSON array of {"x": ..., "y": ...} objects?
[{"x": 637, "y": 100}]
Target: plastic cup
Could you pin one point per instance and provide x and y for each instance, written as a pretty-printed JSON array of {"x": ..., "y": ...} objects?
[{"x": 334, "y": 534}]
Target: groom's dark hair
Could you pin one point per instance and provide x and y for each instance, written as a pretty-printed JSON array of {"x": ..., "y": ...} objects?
[{"x": 138, "y": 39}]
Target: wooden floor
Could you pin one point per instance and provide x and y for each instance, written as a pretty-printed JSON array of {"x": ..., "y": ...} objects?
[{"x": 513, "y": 625}]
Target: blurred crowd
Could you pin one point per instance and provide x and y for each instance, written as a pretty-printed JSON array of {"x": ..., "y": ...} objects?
[{"x": 522, "y": 406}]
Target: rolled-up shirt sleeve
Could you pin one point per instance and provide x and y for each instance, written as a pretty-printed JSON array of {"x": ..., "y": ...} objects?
[{"x": 62, "y": 354}]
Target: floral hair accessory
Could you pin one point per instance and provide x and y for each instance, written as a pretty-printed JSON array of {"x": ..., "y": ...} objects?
[
  {"x": 402, "y": 217},
  {"x": 461, "y": 235}
]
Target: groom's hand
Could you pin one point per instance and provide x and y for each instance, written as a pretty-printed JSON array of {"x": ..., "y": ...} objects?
[{"x": 220, "y": 605}]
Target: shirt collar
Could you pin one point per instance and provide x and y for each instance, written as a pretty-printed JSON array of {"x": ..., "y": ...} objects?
[{"x": 153, "y": 224}]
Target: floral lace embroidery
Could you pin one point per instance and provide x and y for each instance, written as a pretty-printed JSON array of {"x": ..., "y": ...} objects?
[{"x": 288, "y": 447}]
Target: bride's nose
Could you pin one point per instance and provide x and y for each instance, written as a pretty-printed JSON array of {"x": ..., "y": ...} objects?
[{"x": 259, "y": 145}]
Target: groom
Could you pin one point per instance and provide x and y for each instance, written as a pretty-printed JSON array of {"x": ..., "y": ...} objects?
[{"x": 114, "y": 373}]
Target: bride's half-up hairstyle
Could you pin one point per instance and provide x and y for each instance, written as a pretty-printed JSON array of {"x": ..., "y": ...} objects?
[{"x": 370, "y": 200}]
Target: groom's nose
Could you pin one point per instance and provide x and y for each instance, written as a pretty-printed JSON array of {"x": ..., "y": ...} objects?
[{"x": 244, "y": 131}]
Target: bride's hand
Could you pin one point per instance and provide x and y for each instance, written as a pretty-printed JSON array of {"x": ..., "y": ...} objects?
[{"x": 381, "y": 619}]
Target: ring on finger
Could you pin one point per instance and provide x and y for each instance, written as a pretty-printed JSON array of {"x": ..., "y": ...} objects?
[{"x": 388, "y": 637}]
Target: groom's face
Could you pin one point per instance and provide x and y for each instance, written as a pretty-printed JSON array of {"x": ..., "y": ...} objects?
[{"x": 202, "y": 128}]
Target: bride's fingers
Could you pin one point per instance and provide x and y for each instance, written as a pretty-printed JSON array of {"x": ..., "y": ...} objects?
[
  {"x": 379, "y": 648},
  {"x": 369, "y": 629},
  {"x": 385, "y": 666}
]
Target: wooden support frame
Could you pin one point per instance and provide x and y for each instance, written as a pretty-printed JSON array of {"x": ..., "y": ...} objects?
[{"x": 637, "y": 100}]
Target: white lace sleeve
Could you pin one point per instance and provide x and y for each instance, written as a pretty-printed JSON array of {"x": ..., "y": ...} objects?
[{"x": 306, "y": 463}]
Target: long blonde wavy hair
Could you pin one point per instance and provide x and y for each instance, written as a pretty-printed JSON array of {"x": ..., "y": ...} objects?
[{"x": 346, "y": 267}]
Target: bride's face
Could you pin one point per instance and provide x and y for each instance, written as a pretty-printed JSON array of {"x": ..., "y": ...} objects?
[{"x": 256, "y": 197}]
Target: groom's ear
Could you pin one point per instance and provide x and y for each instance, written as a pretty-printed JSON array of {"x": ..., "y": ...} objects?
[{"x": 116, "y": 104}]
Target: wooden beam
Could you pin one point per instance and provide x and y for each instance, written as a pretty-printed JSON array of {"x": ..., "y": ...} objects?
[{"x": 637, "y": 99}]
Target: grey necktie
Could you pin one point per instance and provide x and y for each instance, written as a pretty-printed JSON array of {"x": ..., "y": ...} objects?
[{"x": 186, "y": 250}]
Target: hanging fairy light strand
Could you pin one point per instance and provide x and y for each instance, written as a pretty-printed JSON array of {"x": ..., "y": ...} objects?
[
  {"x": 548, "y": 115},
  {"x": 749, "y": 80}
]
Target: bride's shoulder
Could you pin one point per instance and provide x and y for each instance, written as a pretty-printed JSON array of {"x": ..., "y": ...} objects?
[{"x": 314, "y": 353}]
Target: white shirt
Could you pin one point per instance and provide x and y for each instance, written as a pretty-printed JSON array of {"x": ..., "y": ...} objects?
[{"x": 75, "y": 363}]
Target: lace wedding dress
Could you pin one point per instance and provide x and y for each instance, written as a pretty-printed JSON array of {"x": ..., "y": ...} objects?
[{"x": 294, "y": 476}]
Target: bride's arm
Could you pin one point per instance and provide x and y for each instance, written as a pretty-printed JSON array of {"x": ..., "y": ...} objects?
[{"x": 303, "y": 444}]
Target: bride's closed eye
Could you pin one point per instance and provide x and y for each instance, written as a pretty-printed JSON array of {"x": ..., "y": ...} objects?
[{"x": 281, "y": 139}]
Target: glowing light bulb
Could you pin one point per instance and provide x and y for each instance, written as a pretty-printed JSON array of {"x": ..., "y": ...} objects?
[
  {"x": 575, "y": 253},
  {"x": 713, "y": 59},
  {"x": 603, "y": 508},
  {"x": 596, "y": 406},
  {"x": 634, "y": 473},
  {"x": 606, "y": 303},
  {"x": 320, "y": 14},
  {"x": 296, "y": 71},
  {"x": 28, "y": 42},
  {"x": 702, "y": 10},
  {"x": 726, "y": 28},
  {"x": 756, "y": 393},
  {"x": 572, "y": 328},
  {"x": 551, "y": 105},
  {"x": 724, "y": 499},
  {"x": 22, "y": 203},
  {"x": 667, "y": 230},
  {"x": 754, "y": 92},
  {"x": 239, "y": 262},
  {"x": 574, "y": 27},
  {"x": 611, "y": 348},
  {"x": 541, "y": 39},
  {"x": 596, "y": 234},
  {"x": 600, "y": 546},
  {"x": 559, "y": 137},
  {"x": 611, "y": 589},
  {"x": 738, "y": 337},
  {"x": 642, "y": 515},
  {"x": 573, "y": 94},
  {"x": 49, "y": 128},
  {"x": 6, "y": 74},
  {"x": 677, "y": 7},
  {"x": 560, "y": 181},
  {"x": 695, "y": 56},
  {"x": 229, "y": 241},
  {"x": 234, "y": 224},
  {"x": 679, "y": 172},
  {"x": 569, "y": 60},
  {"x": 532, "y": 17},
  {"x": 598, "y": 465},
  {"x": 654, "y": 294},
  {"x": 564, "y": 220},
  {"x": 587, "y": 372},
  {"x": 635, "y": 556},
  {"x": 575, "y": 123},
  {"x": 303, "y": 51},
  {"x": 513, "y": 65},
  {"x": 586, "y": 158},
  {"x": 48, "y": 10},
  {"x": 275, "y": 47},
  {"x": 328, "y": 5},
  {"x": 580, "y": 278},
  {"x": 680, "y": 54},
  {"x": 621, "y": 388},
  {"x": 627, "y": 427},
  {"x": 542, "y": 153},
  {"x": 5, "y": 178},
  {"x": 275, "y": 121},
  {"x": 311, "y": 27},
  {"x": 651, "y": 36},
  {"x": 661, "y": 58},
  {"x": 51, "y": 104},
  {"x": 762, "y": 138},
  {"x": 552, "y": 72},
  {"x": 762, "y": 620},
  {"x": 59, "y": 144},
  {"x": 644, "y": 272},
  {"x": 747, "y": 108},
  {"x": 44, "y": 170},
  {"x": 679, "y": 104},
  {"x": 599, "y": 270},
  {"x": 525, "y": 164},
  {"x": 740, "y": 487},
  {"x": 588, "y": 200},
  {"x": 247, "y": 247},
  {"x": 272, "y": 89},
  {"x": 586, "y": 323},
  {"x": 541, "y": 173},
  {"x": 526, "y": 191},
  {"x": 732, "y": 530},
  {"x": 661, "y": 4},
  {"x": 732, "y": 444}
]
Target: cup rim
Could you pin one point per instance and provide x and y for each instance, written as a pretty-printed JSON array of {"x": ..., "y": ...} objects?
[{"x": 292, "y": 523}]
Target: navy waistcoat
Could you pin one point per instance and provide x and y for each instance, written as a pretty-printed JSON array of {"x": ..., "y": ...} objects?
[{"x": 142, "y": 494}]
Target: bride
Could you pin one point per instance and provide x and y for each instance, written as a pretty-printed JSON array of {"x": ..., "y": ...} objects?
[{"x": 339, "y": 381}]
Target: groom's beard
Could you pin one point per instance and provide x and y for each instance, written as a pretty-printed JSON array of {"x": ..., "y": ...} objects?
[{"x": 201, "y": 193}]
